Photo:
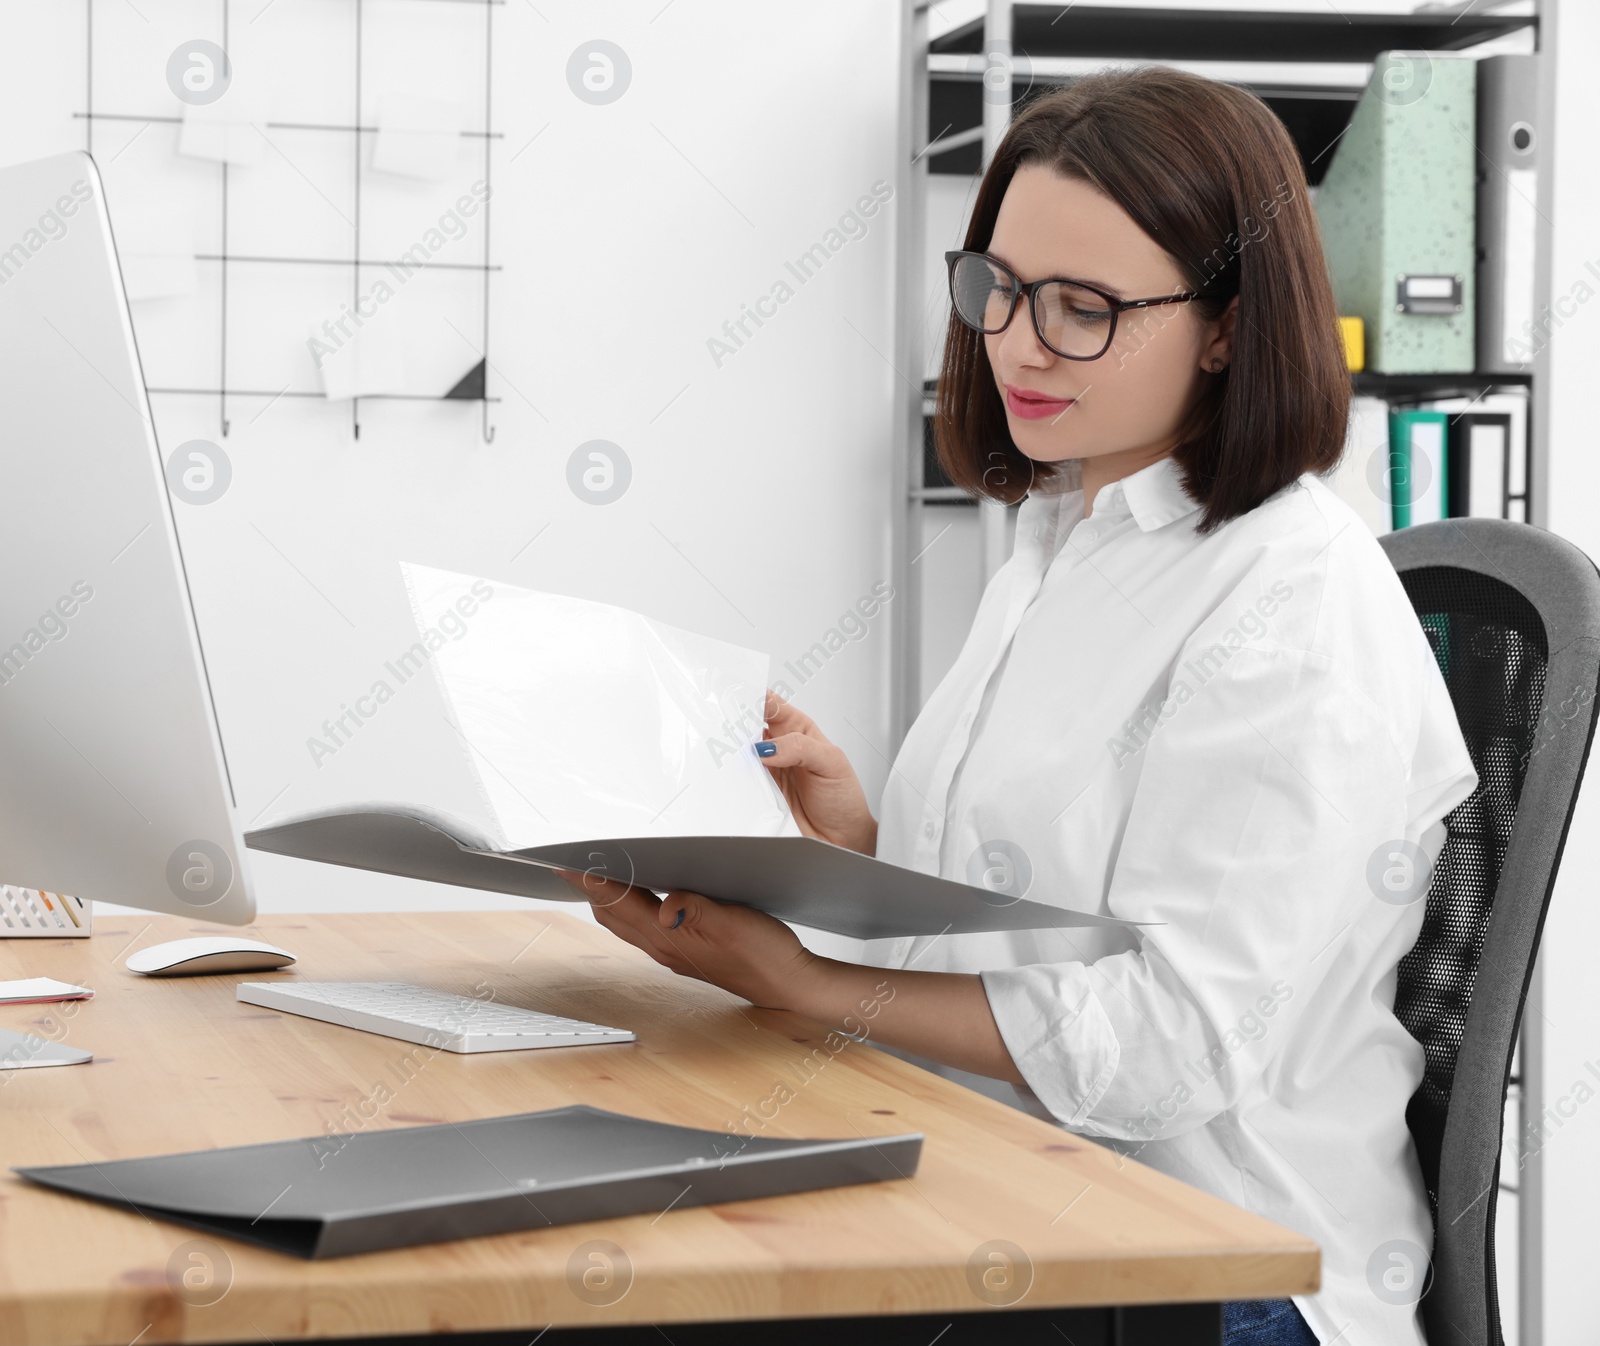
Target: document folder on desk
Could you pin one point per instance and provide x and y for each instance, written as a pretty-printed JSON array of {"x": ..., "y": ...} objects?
[{"x": 335, "y": 1195}]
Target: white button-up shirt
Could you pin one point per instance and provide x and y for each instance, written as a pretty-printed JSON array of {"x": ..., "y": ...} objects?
[{"x": 1244, "y": 739}]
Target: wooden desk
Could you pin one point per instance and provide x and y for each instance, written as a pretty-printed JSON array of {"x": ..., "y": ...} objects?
[{"x": 180, "y": 1065}]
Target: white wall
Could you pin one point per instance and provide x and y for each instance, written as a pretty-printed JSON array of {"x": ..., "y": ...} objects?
[
  {"x": 628, "y": 234},
  {"x": 1570, "y": 1017}
]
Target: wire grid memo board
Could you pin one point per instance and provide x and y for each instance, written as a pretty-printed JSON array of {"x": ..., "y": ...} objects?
[{"x": 301, "y": 193}]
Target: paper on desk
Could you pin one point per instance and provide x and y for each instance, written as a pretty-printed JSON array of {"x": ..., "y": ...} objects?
[
  {"x": 418, "y": 137},
  {"x": 233, "y": 130},
  {"x": 19, "y": 1051},
  {"x": 35, "y": 990},
  {"x": 584, "y": 721}
]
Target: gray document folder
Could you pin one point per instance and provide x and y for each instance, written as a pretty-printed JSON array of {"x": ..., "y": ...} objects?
[
  {"x": 331, "y": 1196},
  {"x": 796, "y": 879}
]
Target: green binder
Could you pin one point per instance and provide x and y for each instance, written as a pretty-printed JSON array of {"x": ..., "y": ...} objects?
[
  {"x": 1419, "y": 466},
  {"x": 1397, "y": 210}
]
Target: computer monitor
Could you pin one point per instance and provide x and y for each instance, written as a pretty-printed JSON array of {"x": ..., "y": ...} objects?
[{"x": 114, "y": 782}]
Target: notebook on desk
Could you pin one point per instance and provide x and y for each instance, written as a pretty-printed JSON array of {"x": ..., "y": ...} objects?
[{"x": 335, "y": 1195}]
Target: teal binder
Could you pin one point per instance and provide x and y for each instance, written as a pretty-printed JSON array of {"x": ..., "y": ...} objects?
[
  {"x": 1419, "y": 466},
  {"x": 1397, "y": 210}
]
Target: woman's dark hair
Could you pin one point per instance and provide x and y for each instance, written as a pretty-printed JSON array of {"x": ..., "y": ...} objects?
[{"x": 1208, "y": 172}]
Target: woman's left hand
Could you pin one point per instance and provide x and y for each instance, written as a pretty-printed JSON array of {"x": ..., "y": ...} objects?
[{"x": 737, "y": 948}]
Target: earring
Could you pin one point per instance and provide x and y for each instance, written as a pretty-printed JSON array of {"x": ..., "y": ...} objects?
[{"x": 1216, "y": 366}]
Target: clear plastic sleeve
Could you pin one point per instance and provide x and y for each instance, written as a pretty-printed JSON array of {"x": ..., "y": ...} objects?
[{"x": 584, "y": 721}]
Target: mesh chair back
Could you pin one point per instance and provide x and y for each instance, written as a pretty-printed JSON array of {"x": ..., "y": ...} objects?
[{"x": 1513, "y": 616}]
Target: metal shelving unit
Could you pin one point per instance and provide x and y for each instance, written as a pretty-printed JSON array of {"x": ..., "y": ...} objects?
[{"x": 1310, "y": 66}]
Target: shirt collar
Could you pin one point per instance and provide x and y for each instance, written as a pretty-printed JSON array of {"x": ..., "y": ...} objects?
[{"x": 1153, "y": 495}]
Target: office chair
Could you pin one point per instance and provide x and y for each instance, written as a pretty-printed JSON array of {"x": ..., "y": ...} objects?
[{"x": 1513, "y": 615}]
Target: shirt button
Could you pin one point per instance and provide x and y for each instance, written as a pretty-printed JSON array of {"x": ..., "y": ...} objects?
[{"x": 928, "y": 830}]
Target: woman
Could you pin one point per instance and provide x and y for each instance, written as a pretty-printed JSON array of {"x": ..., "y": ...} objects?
[{"x": 1196, "y": 696}]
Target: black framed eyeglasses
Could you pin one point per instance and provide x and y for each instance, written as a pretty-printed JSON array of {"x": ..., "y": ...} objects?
[{"x": 1075, "y": 320}]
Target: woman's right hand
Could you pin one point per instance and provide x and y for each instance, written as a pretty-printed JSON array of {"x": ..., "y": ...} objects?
[{"x": 816, "y": 778}]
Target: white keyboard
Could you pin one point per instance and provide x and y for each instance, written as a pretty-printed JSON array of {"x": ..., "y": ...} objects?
[{"x": 453, "y": 1023}]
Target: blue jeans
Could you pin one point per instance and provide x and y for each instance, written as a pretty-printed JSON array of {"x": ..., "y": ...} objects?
[{"x": 1264, "y": 1322}]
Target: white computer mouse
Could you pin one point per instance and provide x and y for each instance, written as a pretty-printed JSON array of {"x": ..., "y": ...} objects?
[{"x": 206, "y": 954}]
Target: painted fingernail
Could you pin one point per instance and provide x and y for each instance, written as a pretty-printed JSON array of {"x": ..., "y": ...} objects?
[
  {"x": 766, "y": 748},
  {"x": 678, "y": 919}
]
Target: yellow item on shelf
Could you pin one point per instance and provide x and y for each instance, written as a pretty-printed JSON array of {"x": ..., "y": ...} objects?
[{"x": 1354, "y": 332}]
